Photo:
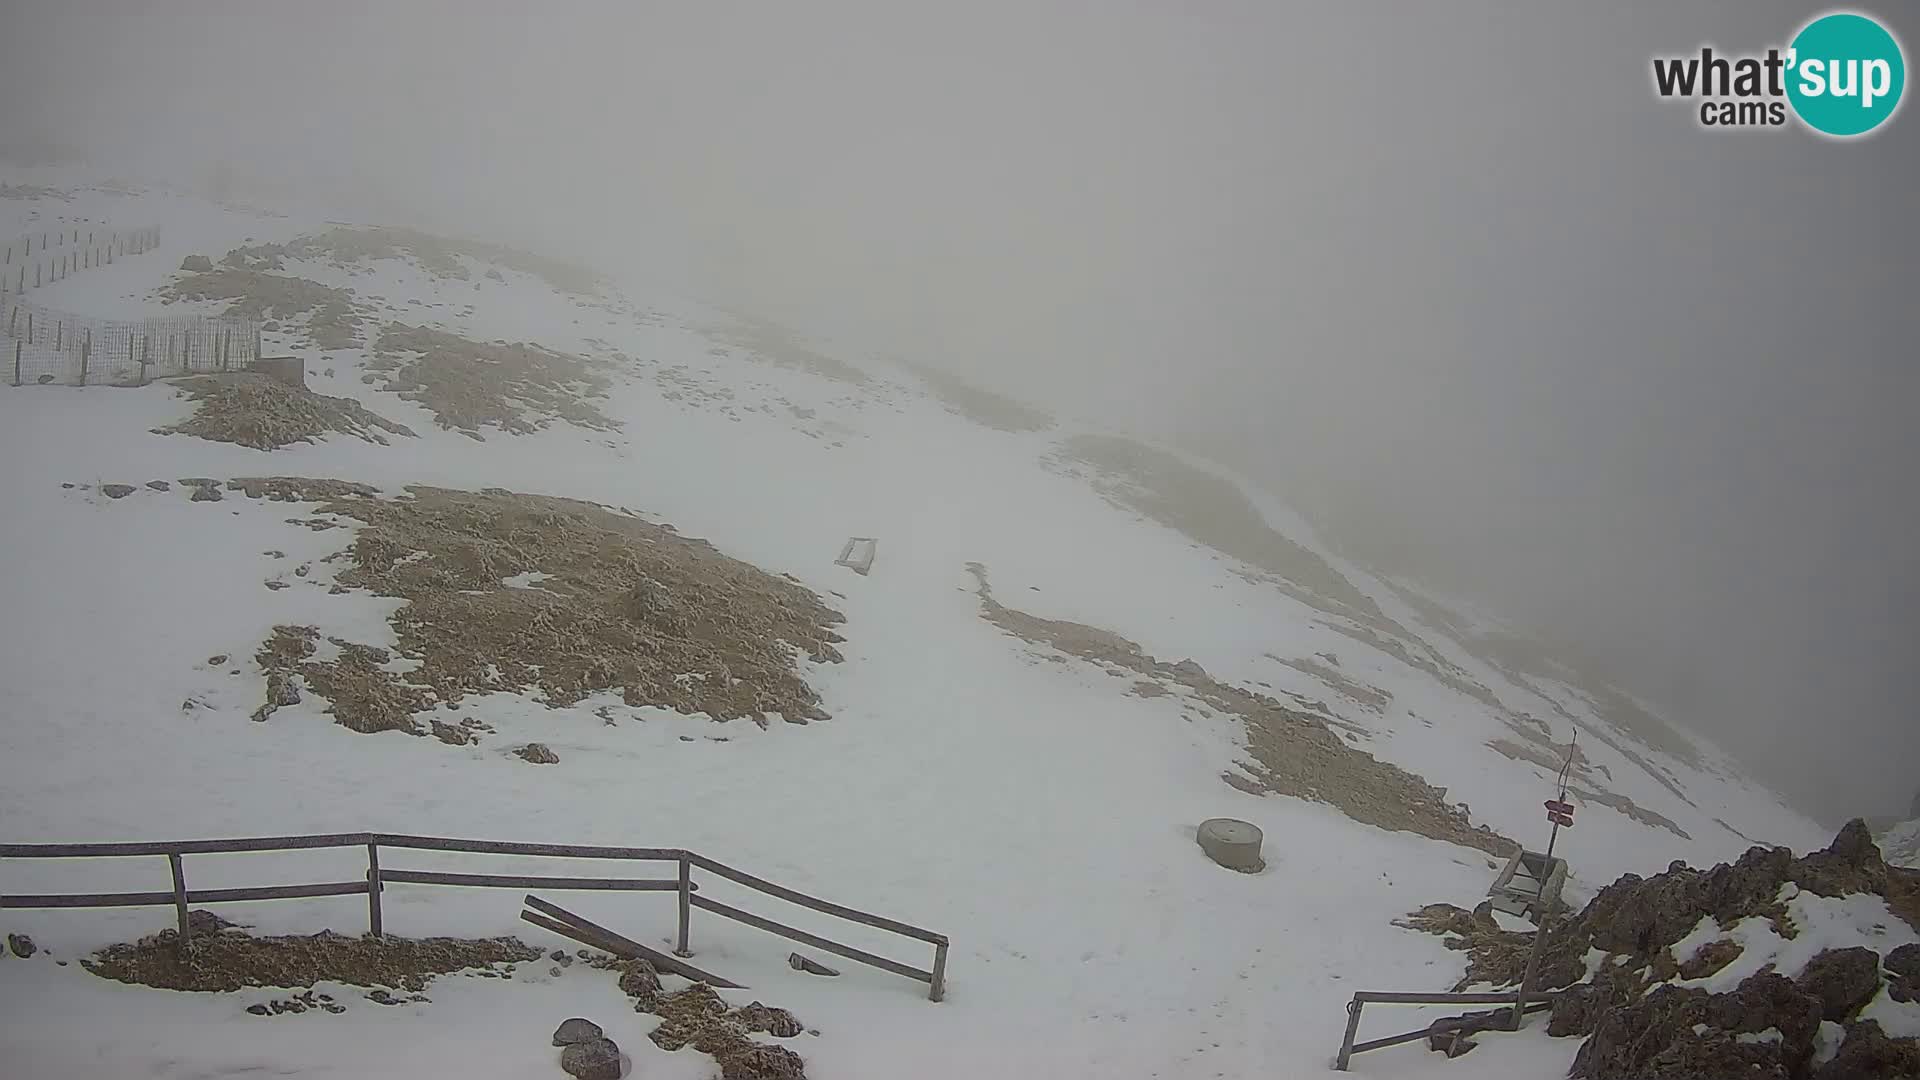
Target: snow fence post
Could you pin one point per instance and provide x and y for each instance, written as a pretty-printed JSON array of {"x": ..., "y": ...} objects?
[
  {"x": 179, "y": 894},
  {"x": 17, "y": 344},
  {"x": 686, "y": 905},
  {"x": 373, "y": 890}
]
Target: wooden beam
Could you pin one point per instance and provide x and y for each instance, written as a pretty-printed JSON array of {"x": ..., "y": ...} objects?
[
  {"x": 524, "y": 881},
  {"x": 814, "y": 940},
  {"x": 817, "y": 904},
  {"x": 630, "y": 949}
]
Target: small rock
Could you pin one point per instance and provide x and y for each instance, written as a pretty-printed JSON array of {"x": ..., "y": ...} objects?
[
  {"x": 259, "y": 1010},
  {"x": 452, "y": 736},
  {"x": 559, "y": 956},
  {"x": 217, "y": 660},
  {"x": 382, "y": 997},
  {"x": 197, "y": 264},
  {"x": 207, "y": 494},
  {"x": 1192, "y": 668},
  {"x": 116, "y": 491},
  {"x": 538, "y": 754},
  {"x": 159, "y": 485},
  {"x": 276, "y": 586},
  {"x": 595, "y": 1059},
  {"x": 576, "y": 1030},
  {"x": 554, "y": 971},
  {"x": 21, "y": 944}
]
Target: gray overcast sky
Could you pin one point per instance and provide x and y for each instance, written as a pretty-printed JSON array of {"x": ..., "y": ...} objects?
[{"x": 1448, "y": 275}]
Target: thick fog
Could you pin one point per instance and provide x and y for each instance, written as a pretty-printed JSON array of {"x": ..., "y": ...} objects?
[{"x": 1449, "y": 277}]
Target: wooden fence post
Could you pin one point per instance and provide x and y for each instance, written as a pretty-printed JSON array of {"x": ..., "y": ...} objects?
[
  {"x": 180, "y": 895},
  {"x": 86, "y": 354},
  {"x": 17, "y": 345},
  {"x": 373, "y": 889},
  {"x": 686, "y": 905},
  {"x": 938, "y": 990}
]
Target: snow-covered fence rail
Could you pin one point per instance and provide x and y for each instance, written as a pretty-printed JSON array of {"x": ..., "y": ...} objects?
[
  {"x": 378, "y": 878},
  {"x": 42, "y": 345},
  {"x": 48, "y": 255}
]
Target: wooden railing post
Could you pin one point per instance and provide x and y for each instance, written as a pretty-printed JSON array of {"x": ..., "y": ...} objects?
[
  {"x": 1353, "y": 1029},
  {"x": 938, "y": 990},
  {"x": 180, "y": 895},
  {"x": 373, "y": 890},
  {"x": 686, "y": 905}
]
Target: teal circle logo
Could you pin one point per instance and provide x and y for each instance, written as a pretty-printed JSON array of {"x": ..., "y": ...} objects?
[{"x": 1845, "y": 74}]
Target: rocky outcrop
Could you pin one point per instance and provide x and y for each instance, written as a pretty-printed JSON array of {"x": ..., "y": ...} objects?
[{"x": 1641, "y": 1023}]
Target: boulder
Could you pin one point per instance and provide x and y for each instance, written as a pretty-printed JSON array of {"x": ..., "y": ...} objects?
[
  {"x": 197, "y": 264},
  {"x": 538, "y": 753},
  {"x": 21, "y": 944},
  {"x": 576, "y": 1030},
  {"x": 159, "y": 485},
  {"x": 1842, "y": 980},
  {"x": 1903, "y": 973},
  {"x": 594, "y": 1059},
  {"x": 207, "y": 494},
  {"x": 116, "y": 491}
]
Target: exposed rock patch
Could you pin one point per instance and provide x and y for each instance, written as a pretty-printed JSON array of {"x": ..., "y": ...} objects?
[
  {"x": 624, "y": 604},
  {"x": 983, "y": 407}
]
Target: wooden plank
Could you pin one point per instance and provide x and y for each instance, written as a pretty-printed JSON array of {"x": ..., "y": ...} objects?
[
  {"x": 523, "y": 881},
  {"x": 183, "y": 847},
  {"x": 276, "y": 892},
  {"x": 814, "y": 940},
  {"x": 633, "y": 948},
  {"x": 817, "y": 904},
  {"x": 497, "y": 847},
  {"x": 87, "y": 900},
  {"x": 938, "y": 991},
  {"x": 686, "y": 908}
]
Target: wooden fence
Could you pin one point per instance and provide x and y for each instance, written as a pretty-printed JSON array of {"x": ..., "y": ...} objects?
[{"x": 378, "y": 877}]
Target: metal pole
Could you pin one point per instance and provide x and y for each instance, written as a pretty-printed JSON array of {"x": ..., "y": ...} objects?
[{"x": 1540, "y": 914}]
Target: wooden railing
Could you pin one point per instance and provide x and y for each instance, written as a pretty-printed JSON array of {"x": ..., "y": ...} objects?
[
  {"x": 378, "y": 878},
  {"x": 1348, "y": 1048}
]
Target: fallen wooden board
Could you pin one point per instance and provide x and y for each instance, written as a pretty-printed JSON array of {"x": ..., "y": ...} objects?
[{"x": 623, "y": 947}]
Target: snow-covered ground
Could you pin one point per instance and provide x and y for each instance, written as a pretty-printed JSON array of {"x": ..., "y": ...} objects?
[{"x": 1035, "y": 812}]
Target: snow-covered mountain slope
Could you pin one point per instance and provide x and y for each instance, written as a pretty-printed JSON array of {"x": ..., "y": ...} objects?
[{"x": 1022, "y": 782}]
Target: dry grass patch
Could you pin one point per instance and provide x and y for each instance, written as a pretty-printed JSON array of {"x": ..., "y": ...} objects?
[
  {"x": 469, "y": 385},
  {"x": 982, "y": 406},
  {"x": 1210, "y": 510},
  {"x": 611, "y": 602},
  {"x": 439, "y": 256},
  {"x": 1294, "y": 753},
  {"x": 778, "y": 346},
  {"x": 332, "y": 317},
  {"x": 227, "y": 959},
  {"x": 261, "y": 412}
]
